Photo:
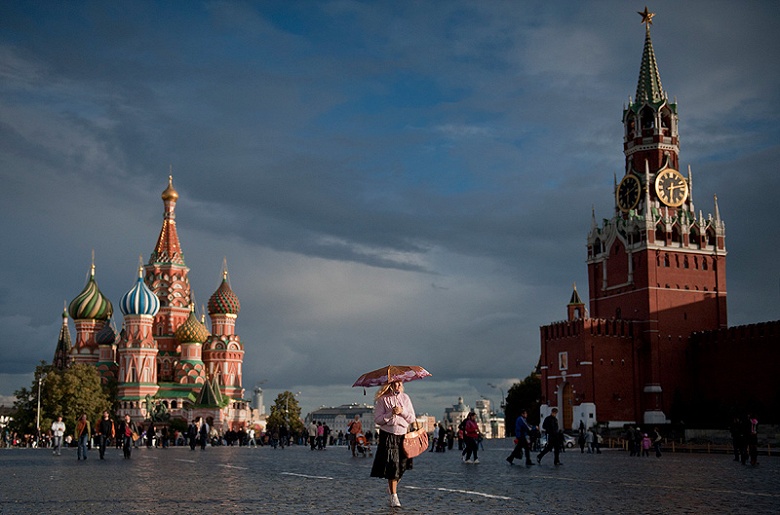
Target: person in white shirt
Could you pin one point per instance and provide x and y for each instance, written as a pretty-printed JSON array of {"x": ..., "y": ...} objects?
[{"x": 57, "y": 432}]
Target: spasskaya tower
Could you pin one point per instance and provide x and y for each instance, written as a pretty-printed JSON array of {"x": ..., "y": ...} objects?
[{"x": 656, "y": 274}]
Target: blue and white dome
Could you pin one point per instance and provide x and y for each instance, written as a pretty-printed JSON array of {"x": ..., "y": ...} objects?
[{"x": 140, "y": 300}]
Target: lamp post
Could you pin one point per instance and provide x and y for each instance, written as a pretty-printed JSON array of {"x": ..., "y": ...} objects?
[
  {"x": 503, "y": 403},
  {"x": 38, "y": 417}
]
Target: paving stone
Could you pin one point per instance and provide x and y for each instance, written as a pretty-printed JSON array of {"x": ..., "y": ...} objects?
[{"x": 243, "y": 480}]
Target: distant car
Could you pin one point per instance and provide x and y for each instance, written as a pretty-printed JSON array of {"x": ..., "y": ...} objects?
[{"x": 568, "y": 441}]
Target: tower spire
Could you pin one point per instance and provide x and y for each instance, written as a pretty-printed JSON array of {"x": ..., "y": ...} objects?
[
  {"x": 648, "y": 88},
  {"x": 168, "y": 249}
]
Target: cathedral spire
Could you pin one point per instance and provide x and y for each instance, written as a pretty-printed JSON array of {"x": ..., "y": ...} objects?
[
  {"x": 168, "y": 249},
  {"x": 61, "y": 359}
]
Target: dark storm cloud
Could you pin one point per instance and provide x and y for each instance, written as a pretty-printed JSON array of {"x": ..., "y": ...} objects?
[{"x": 386, "y": 180}]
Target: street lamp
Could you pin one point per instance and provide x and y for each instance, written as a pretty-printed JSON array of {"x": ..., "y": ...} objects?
[
  {"x": 38, "y": 419},
  {"x": 503, "y": 403}
]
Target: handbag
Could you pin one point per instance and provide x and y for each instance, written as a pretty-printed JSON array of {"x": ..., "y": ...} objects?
[
  {"x": 415, "y": 443},
  {"x": 135, "y": 436}
]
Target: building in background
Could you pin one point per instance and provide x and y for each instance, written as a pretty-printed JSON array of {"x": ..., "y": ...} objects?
[{"x": 337, "y": 418}]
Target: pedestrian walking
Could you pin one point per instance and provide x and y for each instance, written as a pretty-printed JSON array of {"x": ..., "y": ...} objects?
[
  {"x": 470, "y": 437},
  {"x": 203, "y": 433},
  {"x": 753, "y": 439},
  {"x": 523, "y": 436},
  {"x": 150, "y": 434},
  {"x": 57, "y": 432},
  {"x": 550, "y": 426},
  {"x": 127, "y": 430},
  {"x": 354, "y": 428},
  {"x": 657, "y": 442},
  {"x": 393, "y": 413},
  {"x": 82, "y": 436},
  {"x": 105, "y": 431},
  {"x": 646, "y": 444},
  {"x": 313, "y": 435}
]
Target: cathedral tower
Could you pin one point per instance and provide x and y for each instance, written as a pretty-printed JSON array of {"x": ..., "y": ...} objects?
[
  {"x": 223, "y": 352},
  {"x": 137, "y": 350},
  {"x": 90, "y": 310},
  {"x": 167, "y": 276}
]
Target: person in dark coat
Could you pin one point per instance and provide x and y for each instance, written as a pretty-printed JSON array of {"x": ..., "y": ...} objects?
[
  {"x": 523, "y": 435},
  {"x": 554, "y": 437}
]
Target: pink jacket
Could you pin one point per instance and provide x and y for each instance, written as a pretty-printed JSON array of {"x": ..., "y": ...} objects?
[{"x": 386, "y": 420}]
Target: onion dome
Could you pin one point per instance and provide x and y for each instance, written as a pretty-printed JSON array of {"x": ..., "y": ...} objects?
[
  {"x": 90, "y": 303},
  {"x": 140, "y": 300},
  {"x": 224, "y": 300},
  {"x": 170, "y": 193},
  {"x": 107, "y": 335},
  {"x": 192, "y": 331}
]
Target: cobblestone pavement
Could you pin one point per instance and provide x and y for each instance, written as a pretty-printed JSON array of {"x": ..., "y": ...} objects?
[{"x": 236, "y": 480}]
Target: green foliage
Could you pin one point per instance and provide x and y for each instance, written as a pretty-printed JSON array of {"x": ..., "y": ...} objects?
[
  {"x": 523, "y": 395},
  {"x": 68, "y": 392},
  {"x": 285, "y": 411}
]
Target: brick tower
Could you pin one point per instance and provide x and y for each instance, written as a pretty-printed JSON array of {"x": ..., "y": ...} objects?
[{"x": 656, "y": 273}]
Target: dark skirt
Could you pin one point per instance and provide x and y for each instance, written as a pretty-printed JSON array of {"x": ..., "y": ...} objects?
[{"x": 390, "y": 461}]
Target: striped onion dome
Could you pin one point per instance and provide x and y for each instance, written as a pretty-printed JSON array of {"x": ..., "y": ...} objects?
[
  {"x": 90, "y": 303},
  {"x": 107, "y": 335},
  {"x": 192, "y": 330},
  {"x": 140, "y": 300},
  {"x": 224, "y": 300}
]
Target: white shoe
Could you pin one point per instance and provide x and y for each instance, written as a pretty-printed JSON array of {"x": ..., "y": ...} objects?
[
  {"x": 464, "y": 459},
  {"x": 394, "y": 500},
  {"x": 475, "y": 460}
]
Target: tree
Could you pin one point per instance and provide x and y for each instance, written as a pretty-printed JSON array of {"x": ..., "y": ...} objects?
[
  {"x": 68, "y": 392},
  {"x": 285, "y": 411},
  {"x": 524, "y": 395}
]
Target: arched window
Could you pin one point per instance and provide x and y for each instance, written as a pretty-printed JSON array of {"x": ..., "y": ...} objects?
[
  {"x": 676, "y": 237},
  {"x": 648, "y": 119},
  {"x": 704, "y": 265},
  {"x": 666, "y": 261},
  {"x": 660, "y": 234},
  {"x": 685, "y": 262}
]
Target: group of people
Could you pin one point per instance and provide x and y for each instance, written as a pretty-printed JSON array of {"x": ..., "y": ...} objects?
[
  {"x": 639, "y": 442},
  {"x": 126, "y": 434},
  {"x": 104, "y": 431},
  {"x": 318, "y": 435},
  {"x": 744, "y": 438}
]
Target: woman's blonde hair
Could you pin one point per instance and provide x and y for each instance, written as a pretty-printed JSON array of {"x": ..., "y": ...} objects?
[{"x": 386, "y": 388}]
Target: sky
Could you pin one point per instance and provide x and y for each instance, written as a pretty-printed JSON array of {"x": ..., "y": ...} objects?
[{"x": 390, "y": 182}]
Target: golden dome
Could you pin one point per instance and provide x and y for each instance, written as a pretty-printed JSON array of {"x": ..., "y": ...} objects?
[{"x": 170, "y": 193}]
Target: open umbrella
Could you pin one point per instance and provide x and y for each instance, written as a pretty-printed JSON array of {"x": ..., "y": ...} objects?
[{"x": 390, "y": 374}]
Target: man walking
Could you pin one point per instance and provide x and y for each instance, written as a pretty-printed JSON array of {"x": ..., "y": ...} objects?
[
  {"x": 57, "y": 432},
  {"x": 523, "y": 435},
  {"x": 312, "y": 430},
  {"x": 105, "y": 430},
  {"x": 203, "y": 433},
  {"x": 82, "y": 436},
  {"x": 550, "y": 426}
]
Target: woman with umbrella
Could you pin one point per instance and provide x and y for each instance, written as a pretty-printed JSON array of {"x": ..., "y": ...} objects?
[{"x": 393, "y": 412}]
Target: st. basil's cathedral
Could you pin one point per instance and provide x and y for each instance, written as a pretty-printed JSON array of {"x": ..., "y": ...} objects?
[{"x": 164, "y": 359}]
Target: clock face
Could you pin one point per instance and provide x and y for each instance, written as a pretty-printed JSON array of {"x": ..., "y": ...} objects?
[
  {"x": 627, "y": 195},
  {"x": 671, "y": 187}
]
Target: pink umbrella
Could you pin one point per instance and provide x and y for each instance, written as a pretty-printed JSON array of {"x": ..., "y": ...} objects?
[{"x": 390, "y": 374}]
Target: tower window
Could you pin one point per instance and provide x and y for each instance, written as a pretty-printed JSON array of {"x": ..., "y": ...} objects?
[
  {"x": 685, "y": 262},
  {"x": 704, "y": 263}
]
